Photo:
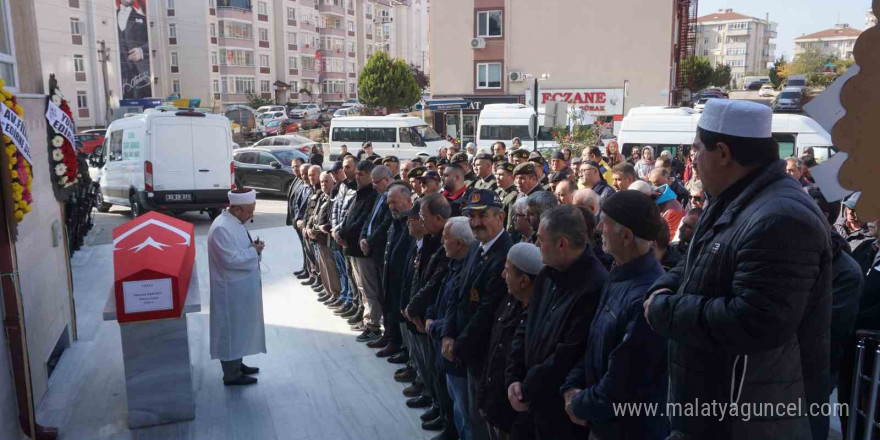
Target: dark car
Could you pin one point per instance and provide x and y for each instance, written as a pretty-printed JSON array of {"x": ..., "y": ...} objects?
[
  {"x": 755, "y": 85},
  {"x": 266, "y": 168},
  {"x": 789, "y": 100}
]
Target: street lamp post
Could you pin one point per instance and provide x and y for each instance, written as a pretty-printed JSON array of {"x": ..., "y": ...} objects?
[{"x": 625, "y": 92}]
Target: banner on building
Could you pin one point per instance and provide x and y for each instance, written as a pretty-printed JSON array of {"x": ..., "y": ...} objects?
[
  {"x": 60, "y": 122},
  {"x": 14, "y": 127},
  {"x": 594, "y": 102},
  {"x": 132, "y": 29}
]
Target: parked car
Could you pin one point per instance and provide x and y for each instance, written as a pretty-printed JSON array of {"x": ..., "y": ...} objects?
[
  {"x": 266, "y": 167},
  {"x": 717, "y": 91},
  {"x": 766, "y": 90},
  {"x": 269, "y": 109},
  {"x": 797, "y": 82},
  {"x": 754, "y": 85},
  {"x": 305, "y": 111},
  {"x": 89, "y": 141},
  {"x": 348, "y": 111},
  {"x": 272, "y": 127},
  {"x": 300, "y": 143},
  {"x": 99, "y": 131},
  {"x": 701, "y": 104},
  {"x": 789, "y": 100}
]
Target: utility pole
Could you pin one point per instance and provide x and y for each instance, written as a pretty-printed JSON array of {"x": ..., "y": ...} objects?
[
  {"x": 535, "y": 105},
  {"x": 104, "y": 58}
]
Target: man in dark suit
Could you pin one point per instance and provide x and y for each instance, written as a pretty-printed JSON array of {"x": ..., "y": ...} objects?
[
  {"x": 374, "y": 237},
  {"x": 482, "y": 289},
  {"x": 134, "y": 49}
]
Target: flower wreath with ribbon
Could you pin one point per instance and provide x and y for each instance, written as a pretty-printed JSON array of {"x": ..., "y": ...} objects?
[
  {"x": 19, "y": 168},
  {"x": 64, "y": 161}
]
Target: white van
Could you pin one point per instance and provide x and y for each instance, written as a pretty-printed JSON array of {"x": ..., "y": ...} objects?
[
  {"x": 503, "y": 122},
  {"x": 670, "y": 128},
  {"x": 402, "y": 136},
  {"x": 172, "y": 161}
]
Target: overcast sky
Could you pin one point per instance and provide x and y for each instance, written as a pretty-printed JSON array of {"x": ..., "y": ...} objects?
[{"x": 795, "y": 17}]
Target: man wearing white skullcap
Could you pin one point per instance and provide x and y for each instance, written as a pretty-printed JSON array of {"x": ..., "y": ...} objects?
[
  {"x": 747, "y": 314},
  {"x": 237, "y": 328}
]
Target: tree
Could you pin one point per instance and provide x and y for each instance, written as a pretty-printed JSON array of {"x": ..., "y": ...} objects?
[
  {"x": 387, "y": 83},
  {"x": 421, "y": 78},
  {"x": 702, "y": 71},
  {"x": 721, "y": 76},
  {"x": 257, "y": 101},
  {"x": 776, "y": 72},
  {"x": 809, "y": 62}
]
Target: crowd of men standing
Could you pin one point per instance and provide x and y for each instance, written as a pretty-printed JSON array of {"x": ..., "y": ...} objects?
[{"x": 524, "y": 298}]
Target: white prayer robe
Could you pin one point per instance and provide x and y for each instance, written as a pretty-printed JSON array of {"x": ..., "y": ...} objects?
[{"x": 237, "y": 328}]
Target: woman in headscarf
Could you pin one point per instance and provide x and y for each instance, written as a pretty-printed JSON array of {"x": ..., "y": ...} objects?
[
  {"x": 613, "y": 153},
  {"x": 644, "y": 166}
]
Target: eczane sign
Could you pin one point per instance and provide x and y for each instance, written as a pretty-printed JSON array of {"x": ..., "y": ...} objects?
[{"x": 594, "y": 102}]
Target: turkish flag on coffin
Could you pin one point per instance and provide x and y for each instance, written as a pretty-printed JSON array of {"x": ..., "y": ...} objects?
[{"x": 153, "y": 259}]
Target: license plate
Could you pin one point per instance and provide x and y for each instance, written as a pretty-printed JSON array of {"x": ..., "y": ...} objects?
[{"x": 178, "y": 197}]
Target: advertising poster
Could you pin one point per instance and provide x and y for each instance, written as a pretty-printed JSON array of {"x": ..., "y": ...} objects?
[{"x": 134, "y": 48}]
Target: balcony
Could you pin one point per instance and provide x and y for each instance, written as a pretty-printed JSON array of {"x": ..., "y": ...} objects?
[
  {"x": 331, "y": 10},
  {"x": 770, "y": 34},
  {"x": 307, "y": 50},
  {"x": 735, "y": 32},
  {"x": 243, "y": 43},
  {"x": 235, "y": 13},
  {"x": 333, "y": 75},
  {"x": 333, "y": 97},
  {"x": 236, "y": 70},
  {"x": 307, "y": 26},
  {"x": 332, "y": 31},
  {"x": 308, "y": 73}
]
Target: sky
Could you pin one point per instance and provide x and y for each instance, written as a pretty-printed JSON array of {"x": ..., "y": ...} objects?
[{"x": 795, "y": 17}]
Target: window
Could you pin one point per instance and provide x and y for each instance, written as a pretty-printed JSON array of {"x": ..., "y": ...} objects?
[
  {"x": 825, "y": 44},
  {"x": 215, "y": 86},
  {"x": 82, "y": 99},
  {"x": 350, "y": 46},
  {"x": 739, "y": 25},
  {"x": 212, "y": 4},
  {"x": 717, "y": 40},
  {"x": 175, "y": 87},
  {"x": 308, "y": 63},
  {"x": 293, "y": 63},
  {"x": 720, "y": 27},
  {"x": 291, "y": 13},
  {"x": 213, "y": 30},
  {"x": 215, "y": 58},
  {"x": 7, "y": 53},
  {"x": 706, "y": 40},
  {"x": 170, "y": 5},
  {"x": 291, "y": 38},
  {"x": 79, "y": 64},
  {"x": 75, "y": 27},
  {"x": 369, "y": 9},
  {"x": 294, "y": 86},
  {"x": 234, "y": 29},
  {"x": 114, "y": 148},
  {"x": 266, "y": 159},
  {"x": 489, "y": 24},
  {"x": 237, "y": 84},
  {"x": 382, "y": 134},
  {"x": 352, "y": 88},
  {"x": 264, "y": 86},
  {"x": 236, "y": 57},
  {"x": 352, "y": 67},
  {"x": 489, "y": 76},
  {"x": 736, "y": 51},
  {"x": 705, "y": 52},
  {"x": 264, "y": 34},
  {"x": 224, "y": 85},
  {"x": 350, "y": 26},
  {"x": 172, "y": 30},
  {"x": 264, "y": 60},
  {"x": 261, "y": 8},
  {"x": 350, "y": 4},
  {"x": 174, "y": 59}
]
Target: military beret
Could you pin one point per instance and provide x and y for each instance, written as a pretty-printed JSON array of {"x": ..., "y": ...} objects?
[
  {"x": 484, "y": 156},
  {"x": 558, "y": 177},
  {"x": 525, "y": 168},
  {"x": 520, "y": 153},
  {"x": 505, "y": 166},
  {"x": 391, "y": 159},
  {"x": 416, "y": 160},
  {"x": 432, "y": 159},
  {"x": 499, "y": 158},
  {"x": 377, "y": 160},
  {"x": 536, "y": 157},
  {"x": 416, "y": 173},
  {"x": 431, "y": 174},
  {"x": 459, "y": 158},
  {"x": 443, "y": 161},
  {"x": 559, "y": 155}
]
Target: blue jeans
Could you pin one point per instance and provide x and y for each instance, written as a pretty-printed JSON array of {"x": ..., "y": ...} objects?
[
  {"x": 345, "y": 292},
  {"x": 458, "y": 390}
]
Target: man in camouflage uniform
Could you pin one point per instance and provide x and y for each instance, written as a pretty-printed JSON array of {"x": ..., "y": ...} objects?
[
  {"x": 485, "y": 178},
  {"x": 506, "y": 190}
]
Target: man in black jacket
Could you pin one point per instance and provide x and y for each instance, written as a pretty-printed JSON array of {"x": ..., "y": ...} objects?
[
  {"x": 374, "y": 237},
  {"x": 293, "y": 192},
  {"x": 482, "y": 289},
  {"x": 350, "y": 232},
  {"x": 307, "y": 203},
  {"x": 749, "y": 310},
  {"x": 396, "y": 252},
  {"x": 554, "y": 336}
]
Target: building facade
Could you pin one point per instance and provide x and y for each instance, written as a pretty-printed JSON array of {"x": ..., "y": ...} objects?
[
  {"x": 870, "y": 19},
  {"x": 492, "y": 49},
  {"x": 838, "y": 42},
  {"x": 742, "y": 42},
  {"x": 218, "y": 52}
]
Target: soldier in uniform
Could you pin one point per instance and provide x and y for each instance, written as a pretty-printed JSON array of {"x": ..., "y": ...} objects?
[
  {"x": 506, "y": 189},
  {"x": 498, "y": 158},
  {"x": 414, "y": 177},
  {"x": 393, "y": 164},
  {"x": 470, "y": 179},
  {"x": 431, "y": 183},
  {"x": 519, "y": 156},
  {"x": 431, "y": 163},
  {"x": 526, "y": 183},
  {"x": 441, "y": 165},
  {"x": 539, "y": 162},
  {"x": 485, "y": 177}
]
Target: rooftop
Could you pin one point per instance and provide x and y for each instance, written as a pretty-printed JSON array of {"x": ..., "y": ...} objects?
[
  {"x": 725, "y": 15},
  {"x": 839, "y": 31}
]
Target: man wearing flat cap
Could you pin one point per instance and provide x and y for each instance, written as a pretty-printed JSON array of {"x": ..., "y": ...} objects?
[
  {"x": 747, "y": 315},
  {"x": 553, "y": 337},
  {"x": 431, "y": 183},
  {"x": 625, "y": 360},
  {"x": 536, "y": 158},
  {"x": 462, "y": 160},
  {"x": 485, "y": 178},
  {"x": 557, "y": 162},
  {"x": 237, "y": 328}
]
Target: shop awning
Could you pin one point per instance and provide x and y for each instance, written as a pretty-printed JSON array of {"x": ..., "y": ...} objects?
[{"x": 445, "y": 104}]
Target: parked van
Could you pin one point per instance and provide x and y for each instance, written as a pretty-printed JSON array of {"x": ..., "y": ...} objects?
[
  {"x": 402, "y": 136},
  {"x": 674, "y": 129},
  {"x": 503, "y": 122},
  {"x": 174, "y": 160}
]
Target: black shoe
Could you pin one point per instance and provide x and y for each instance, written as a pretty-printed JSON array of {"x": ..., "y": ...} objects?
[
  {"x": 431, "y": 414},
  {"x": 324, "y": 297},
  {"x": 415, "y": 390},
  {"x": 407, "y": 376},
  {"x": 379, "y": 343},
  {"x": 343, "y": 310},
  {"x": 369, "y": 335},
  {"x": 242, "y": 380},
  {"x": 336, "y": 305},
  {"x": 434, "y": 425},
  {"x": 420, "y": 402},
  {"x": 403, "y": 370},
  {"x": 390, "y": 350},
  {"x": 330, "y": 300},
  {"x": 249, "y": 370},
  {"x": 447, "y": 434},
  {"x": 355, "y": 319},
  {"x": 352, "y": 311},
  {"x": 302, "y": 276},
  {"x": 308, "y": 281},
  {"x": 399, "y": 358},
  {"x": 318, "y": 288}
]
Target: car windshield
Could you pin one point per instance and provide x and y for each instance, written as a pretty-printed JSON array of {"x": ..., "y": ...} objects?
[
  {"x": 273, "y": 124},
  {"x": 796, "y": 83},
  {"x": 789, "y": 95},
  {"x": 427, "y": 133},
  {"x": 702, "y": 101},
  {"x": 301, "y": 107},
  {"x": 767, "y": 86},
  {"x": 287, "y": 156}
]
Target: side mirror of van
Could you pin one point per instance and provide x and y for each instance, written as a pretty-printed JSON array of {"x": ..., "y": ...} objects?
[{"x": 276, "y": 165}]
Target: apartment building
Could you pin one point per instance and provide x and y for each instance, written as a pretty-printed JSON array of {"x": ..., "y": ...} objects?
[
  {"x": 489, "y": 51},
  {"x": 870, "y": 19},
  {"x": 838, "y": 41},
  {"x": 742, "y": 42}
]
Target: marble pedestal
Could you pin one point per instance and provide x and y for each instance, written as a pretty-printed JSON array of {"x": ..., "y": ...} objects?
[{"x": 158, "y": 373}]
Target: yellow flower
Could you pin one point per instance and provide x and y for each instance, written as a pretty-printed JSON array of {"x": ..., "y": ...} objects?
[
  {"x": 14, "y": 174},
  {"x": 19, "y": 110},
  {"x": 2, "y": 83},
  {"x": 6, "y": 93},
  {"x": 19, "y": 216},
  {"x": 27, "y": 208}
]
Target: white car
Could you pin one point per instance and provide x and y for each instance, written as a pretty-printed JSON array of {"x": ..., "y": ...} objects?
[
  {"x": 701, "y": 104},
  {"x": 766, "y": 91},
  {"x": 305, "y": 111}
]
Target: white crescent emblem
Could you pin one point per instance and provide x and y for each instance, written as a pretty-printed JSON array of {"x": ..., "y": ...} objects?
[{"x": 153, "y": 243}]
